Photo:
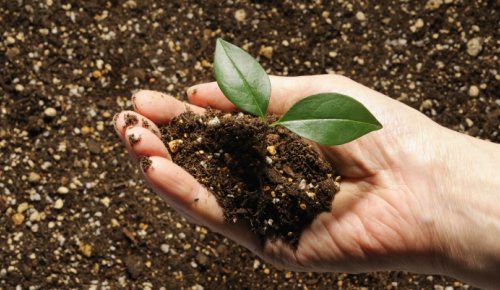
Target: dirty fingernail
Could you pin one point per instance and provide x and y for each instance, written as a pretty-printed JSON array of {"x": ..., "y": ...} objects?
[
  {"x": 130, "y": 120},
  {"x": 115, "y": 117},
  {"x": 145, "y": 163},
  {"x": 191, "y": 91},
  {"x": 133, "y": 138},
  {"x": 134, "y": 97}
]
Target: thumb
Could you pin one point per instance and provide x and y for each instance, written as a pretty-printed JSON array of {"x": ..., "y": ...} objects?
[{"x": 285, "y": 91}]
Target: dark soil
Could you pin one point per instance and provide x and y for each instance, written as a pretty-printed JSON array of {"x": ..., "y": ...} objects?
[
  {"x": 267, "y": 177},
  {"x": 86, "y": 58}
]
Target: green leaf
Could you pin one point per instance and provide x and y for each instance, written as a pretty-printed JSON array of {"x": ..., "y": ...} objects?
[
  {"x": 241, "y": 78},
  {"x": 329, "y": 119}
]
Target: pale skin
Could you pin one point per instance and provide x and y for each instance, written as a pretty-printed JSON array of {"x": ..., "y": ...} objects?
[{"x": 415, "y": 196}]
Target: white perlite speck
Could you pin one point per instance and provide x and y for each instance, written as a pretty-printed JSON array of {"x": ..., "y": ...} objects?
[
  {"x": 256, "y": 264},
  {"x": 302, "y": 184},
  {"x": 213, "y": 122},
  {"x": 165, "y": 248}
]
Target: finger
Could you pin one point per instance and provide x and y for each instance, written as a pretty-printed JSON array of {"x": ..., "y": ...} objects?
[
  {"x": 188, "y": 196},
  {"x": 160, "y": 108},
  {"x": 142, "y": 142},
  {"x": 126, "y": 119},
  {"x": 285, "y": 91}
]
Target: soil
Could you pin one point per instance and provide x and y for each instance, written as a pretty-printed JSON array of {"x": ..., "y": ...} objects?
[
  {"x": 266, "y": 177},
  {"x": 68, "y": 66}
]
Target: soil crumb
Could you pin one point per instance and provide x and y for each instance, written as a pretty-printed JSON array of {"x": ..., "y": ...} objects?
[{"x": 266, "y": 177}]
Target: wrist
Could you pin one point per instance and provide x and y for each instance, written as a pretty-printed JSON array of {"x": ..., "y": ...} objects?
[{"x": 466, "y": 210}]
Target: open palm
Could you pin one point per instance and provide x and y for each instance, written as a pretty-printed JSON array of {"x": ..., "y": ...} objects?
[{"x": 378, "y": 219}]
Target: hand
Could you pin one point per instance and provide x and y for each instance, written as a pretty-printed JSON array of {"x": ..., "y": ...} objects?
[{"x": 386, "y": 216}]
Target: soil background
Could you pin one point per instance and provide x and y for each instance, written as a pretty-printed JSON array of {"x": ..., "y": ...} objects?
[{"x": 74, "y": 212}]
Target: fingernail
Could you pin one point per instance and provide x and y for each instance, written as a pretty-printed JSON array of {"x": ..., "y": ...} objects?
[
  {"x": 145, "y": 163},
  {"x": 191, "y": 91},
  {"x": 130, "y": 120},
  {"x": 133, "y": 139},
  {"x": 115, "y": 117},
  {"x": 134, "y": 97}
]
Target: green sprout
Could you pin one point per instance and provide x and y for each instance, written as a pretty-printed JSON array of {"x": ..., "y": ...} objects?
[{"x": 326, "y": 118}]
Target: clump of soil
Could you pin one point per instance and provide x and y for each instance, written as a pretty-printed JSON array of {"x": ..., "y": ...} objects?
[{"x": 267, "y": 177}]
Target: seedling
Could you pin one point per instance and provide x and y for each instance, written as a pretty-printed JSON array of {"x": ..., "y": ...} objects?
[{"x": 326, "y": 118}]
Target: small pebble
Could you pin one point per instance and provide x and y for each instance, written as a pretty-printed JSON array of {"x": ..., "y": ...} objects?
[
  {"x": 97, "y": 74},
  {"x": 19, "y": 88},
  {"x": 474, "y": 46},
  {"x": 22, "y": 207},
  {"x": 426, "y": 105},
  {"x": 419, "y": 23},
  {"x": 240, "y": 15},
  {"x": 106, "y": 201},
  {"x": 10, "y": 40},
  {"x": 266, "y": 51},
  {"x": 17, "y": 218},
  {"x": 165, "y": 248},
  {"x": 50, "y": 112},
  {"x": 271, "y": 150},
  {"x": 59, "y": 204},
  {"x": 311, "y": 194},
  {"x": 332, "y": 54},
  {"x": 34, "y": 228},
  {"x": 85, "y": 130},
  {"x": 175, "y": 145},
  {"x": 473, "y": 91},
  {"x": 360, "y": 16},
  {"x": 63, "y": 190},
  {"x": 33, "y": 177},
  {"x": 86, "y": 249},
  {"x": 433, "y": 4},
  {"x": 34, "y": 216},
  {"x": 35, "y": 197}
]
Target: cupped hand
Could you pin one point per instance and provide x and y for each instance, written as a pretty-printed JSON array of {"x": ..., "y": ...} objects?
[{"x": 379, "y": 219}]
